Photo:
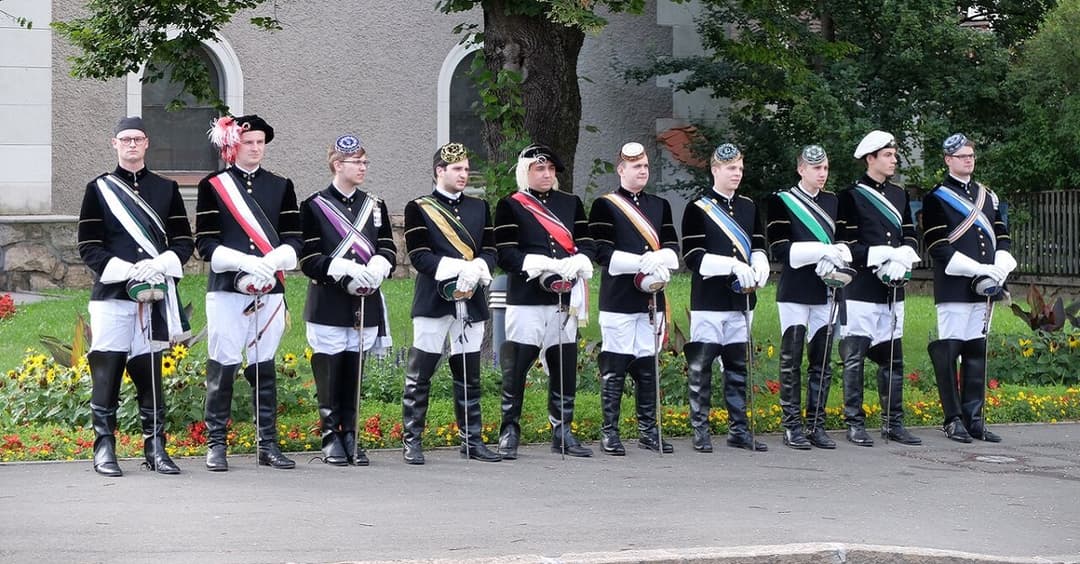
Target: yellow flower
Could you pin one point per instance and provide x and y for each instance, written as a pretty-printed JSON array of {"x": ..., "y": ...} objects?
[
  {"x": 1024, "y": 342},
  {"x": 179, "y": 351},
  {"x": 307, "y": 353},
  {"x": 770, "y": 351},
  {"x": 1029, "y": 352},
  {"x": 1053, "y": 346},
  {"x": 289, "y": 359},
  {"x": 1073, "y": 342},
  {"x": 168, "y": 366}
]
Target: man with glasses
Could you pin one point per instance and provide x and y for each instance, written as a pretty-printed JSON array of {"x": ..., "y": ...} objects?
[
  {"x": 969, "y": 241},
  {"x": 248, "y": 229},
  {"x": 134, "y": 235},
  {"x": 543, "y": 243},
  {"x": 348, "y": 251},
  {"x": 451, "y": 243}
]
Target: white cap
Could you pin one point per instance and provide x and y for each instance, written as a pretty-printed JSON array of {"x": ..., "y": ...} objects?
[
  {"x": 874, "y": 141},
  {"x": 632, "y": 151}
]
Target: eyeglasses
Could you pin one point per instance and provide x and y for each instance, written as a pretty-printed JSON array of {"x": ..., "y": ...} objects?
[
  {"x": 358, "y": 162},
  {"x": 967, "y": 157},
  {"x": 131, "y": 140}
]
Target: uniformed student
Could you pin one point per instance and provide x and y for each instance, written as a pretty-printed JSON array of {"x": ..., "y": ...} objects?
[
  {"x": 134, "y": 235},
  {"x": 348, "y": 252},
  {"x": 543, "y": 243},
  {"x": 724, "y": 249},
  {"x": 969, "y": 241},
  {"x": 802, "y": 234},
  {"x": 248, "y": 228},
  {"x": 451, "y": 243},
  {"x": 637, "y": 245},
  {"x": 874, "y": 221}
]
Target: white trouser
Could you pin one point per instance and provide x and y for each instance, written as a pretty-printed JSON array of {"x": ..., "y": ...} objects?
[
  {"x": 115, "y": 326},
  {"x": 330, "y": 339},
  {"x": 957, "y": 320},
  {"x": 868, "y": 319},
  {"x": 813, "y": 317},
  {"x": 231, "y": 330},
  {"x": 429, "y": 334},
  {"x": 538, "y": 325},
  {"x": 718, "y": 327},
  {"x": 630, "y": 333}
]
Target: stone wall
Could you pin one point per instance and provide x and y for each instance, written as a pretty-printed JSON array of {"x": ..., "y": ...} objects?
[{"x": 38, "y": 254}]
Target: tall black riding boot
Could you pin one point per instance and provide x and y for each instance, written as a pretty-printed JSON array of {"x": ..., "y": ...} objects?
[
  {"x": 266, "y": 414},
  {"x": 890, "y": 379},
  {"x": 643, "y": 370},
  {"x": 853, "y": 351},
  {"x": 219, "y": 393},
  {"x": 326, "y": 368},
  {"x": 515, "y": 360},
  {"x": 699, "y": 362},
  {"x": 147, "y": 380},
  {"x": 467, "y": 407},
  {"x": 973, "y": 389},
  {"x": 734, "y": 358},
  {"x": 106, "y": 370},
  {"x": 818, "y": 380},
  {"x": 561, "y": 403},
  {"x": 612, "y": 378},
  {"x": 791, "y": 357},
  {"x": 943, "y": 355},
  {"x": 414, "y": 402},
  {"x": 345, "y": 407}
]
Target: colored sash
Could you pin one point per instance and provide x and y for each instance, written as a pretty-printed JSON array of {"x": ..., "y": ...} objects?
[
  {"x": 247, "y": 213},
  {"x": 639, "y": 220},
  {"x": 809, "y": 214},
  {"x": 351, "y": 232},
  {"x": 973, "y": 214},
  {"x": 882, "y": 204},
  {"x": 549, "y": 221},
  {"x": 449, "y": 225},
  {"x": 145, "y": 227},
  {"x": 735, "y": 232}
]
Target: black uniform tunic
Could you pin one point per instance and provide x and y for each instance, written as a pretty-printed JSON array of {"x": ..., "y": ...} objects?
[
  {"x": 939, "y": 219},
  {"x": 613, "y": 231},
  {"x": 327, "y": 301},
  {"x": 701, "y": 235},
  {"x": 860, "y": 225},
  {"x": 518, "y": 233},
  {"x": 427, "y": 246},
  {"x": 102, "y": 237},
  {"x": 215, "y": 225},
  {"x": 797, "y": 285}
]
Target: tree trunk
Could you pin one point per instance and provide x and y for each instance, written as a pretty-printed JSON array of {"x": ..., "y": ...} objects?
[{"x": 546, "y": 55}]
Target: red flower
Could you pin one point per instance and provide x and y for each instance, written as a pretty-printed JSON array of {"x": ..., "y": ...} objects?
[
  {"x": 7, "y": 306},
  {"x": 913, "y": 377},
  {"x": 994, "y": 384},
  {"x": 12, "y": 442},
  {"x": 395, "y": 431},
  {"x": 773, "y": 385},
  {"x": 373, "y": 425}
]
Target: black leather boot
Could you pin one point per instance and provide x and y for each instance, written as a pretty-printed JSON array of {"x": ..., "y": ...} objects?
[
  {"x": 734, "y": 358},
  {"x": 345, "y": 406},
  {"x": 699, "y": 362},
  {"x": 817, "y": 389},
  {"x": 561, "y": 403},
  {"x": 327, "y": 369},
  {"x": 643, "y": 370},
  {"x": 106, "y": 370},
  {"x": 890, "y": 379},
  {"x": 147, "y": 380},
  {"x": 515, "y": 360},
  {"x": 943, "y": 355},
  {"x": 972, "y": 390},
  {"x": 612, "y": 378},
  {"x": 853, "y": 351},
  {"x": 266, "y": 414},
  {"x": 219, "y": 393},
  {"x": 414, "y": 402},
  {"x": 471, "y": 427},
  {"x": 791, "y": 357}
]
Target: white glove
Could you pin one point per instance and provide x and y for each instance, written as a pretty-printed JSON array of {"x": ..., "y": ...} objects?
[
  {"x": 485, "y": 273},
  {"x": 649, "y": 262},
  {"x": 1005, "y": 261},
  {"x": 225, "y": 259},
  {"x": 963, "y": 265},
  {"x": 379, "y": 266},
  {"x": 997, "y": 273},
  {"x": 584, "y": 266},
  {"x": 143, "y": 270},
  {"x": 534, "y": 265},
  {"x": 168, "y": 264},
  {"x": 717, "y": 265},
  {"x": 744, "y": 274},
  {"x": 805, "y": 253},
  {"x": 834, "y": 254},
  {"x": 845, "y": 253},
  {"x": 468, "y": 277},
  {"x": 662, "y": 274},
  {"x": 892, "y": 270},
  {"x": 760, "y": 265},
  {"x": 365, "y": 276},
  {"x": 906, "y": 256},
  {"x": 623, "y": 262},
  {"x": 449, "y": 268},
  {"x": 568, "y": 268},
  {"x": 824, "y": 268},
  {"x": 281, "y": 258},
  {"x": 258, "y": 282}
]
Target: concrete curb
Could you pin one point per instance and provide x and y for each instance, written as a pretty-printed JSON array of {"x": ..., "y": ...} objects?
[{"x": 804, "y": 553}]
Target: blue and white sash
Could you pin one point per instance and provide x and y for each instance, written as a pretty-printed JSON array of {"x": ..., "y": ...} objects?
[
  {"x": 735, "y": 232},
  {"x": 973, "y": 214}
]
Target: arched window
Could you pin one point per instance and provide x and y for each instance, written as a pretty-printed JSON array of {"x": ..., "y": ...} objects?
[
  {"x": 458, "y": 98},
  {"x": 178, "y": 138}
]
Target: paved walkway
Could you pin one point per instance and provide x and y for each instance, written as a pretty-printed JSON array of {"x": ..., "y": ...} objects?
[{"x": 1019, "y": 499}]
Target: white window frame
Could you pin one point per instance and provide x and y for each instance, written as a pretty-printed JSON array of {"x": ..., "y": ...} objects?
[
  {"x": 446, "y": 75},
  {"x": 228, "y": 67}
]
